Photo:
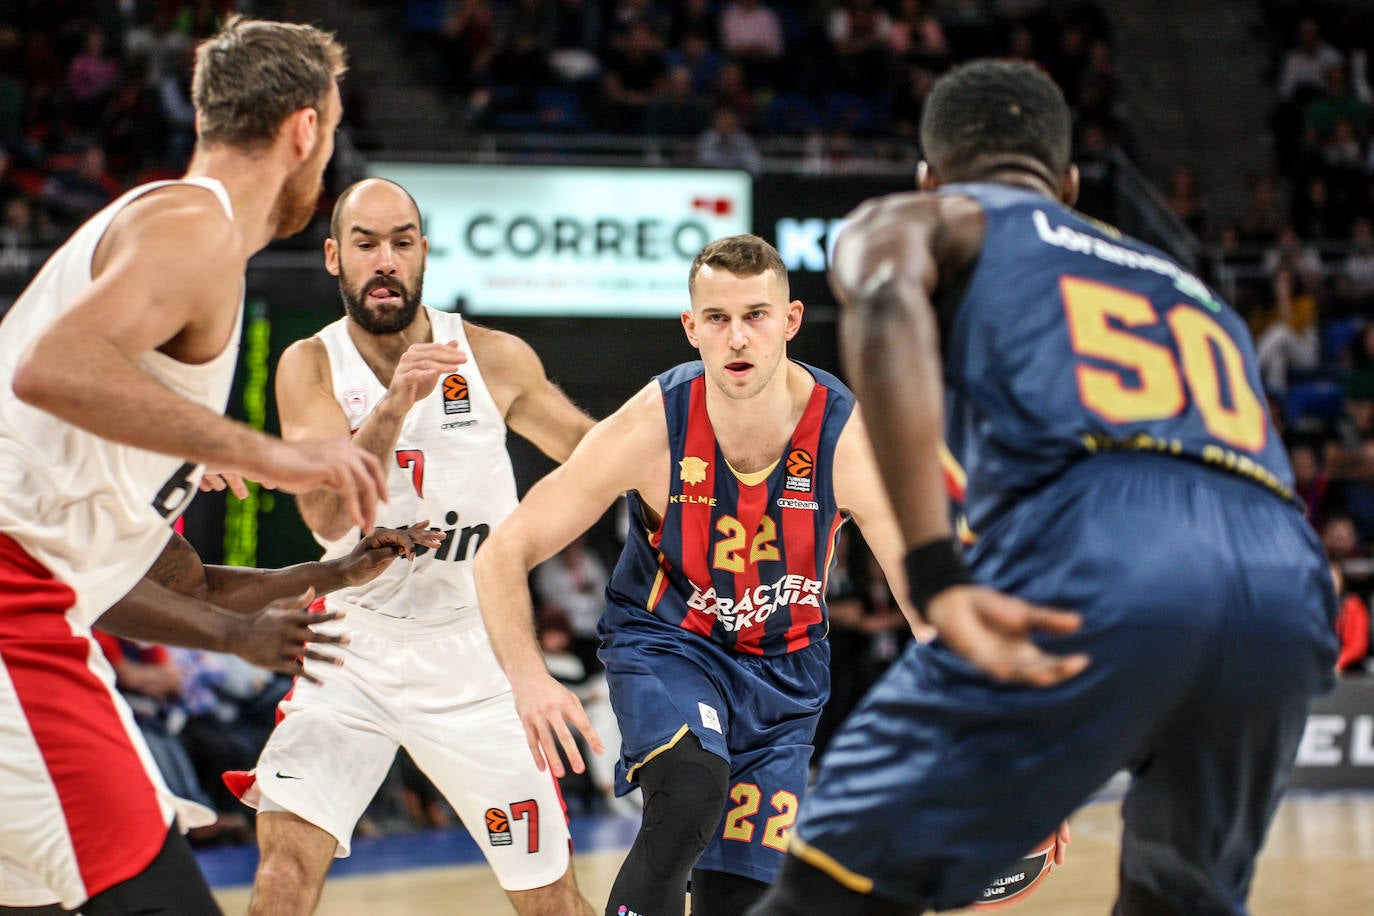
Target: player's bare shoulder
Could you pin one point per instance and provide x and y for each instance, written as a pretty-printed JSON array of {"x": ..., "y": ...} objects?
[
  {"x": 304, "y": 364},
  {"x": 509, "y": 365},
  {"x": 184, "y": 218}
]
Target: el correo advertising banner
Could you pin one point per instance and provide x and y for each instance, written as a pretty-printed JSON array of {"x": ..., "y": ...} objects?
[{"x": 567, "y": 241}]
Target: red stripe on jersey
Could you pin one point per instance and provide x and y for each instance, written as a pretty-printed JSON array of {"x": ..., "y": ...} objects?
[
  {"x": 799, "y": 525},
  {"x": 110, "y": 806},
  {"x": 696, "y": 535},
  {"x": 750, "y": 507}
]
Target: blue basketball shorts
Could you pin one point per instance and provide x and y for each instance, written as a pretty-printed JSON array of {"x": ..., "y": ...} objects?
[
  {"x": 1207, "y": 611},
  {"x": 759, "y": 714}
]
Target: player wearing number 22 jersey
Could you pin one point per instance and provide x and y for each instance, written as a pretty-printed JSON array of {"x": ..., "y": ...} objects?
[
  {"x": 1107, "y": 434},
  {"x": 728, "y": 590}
]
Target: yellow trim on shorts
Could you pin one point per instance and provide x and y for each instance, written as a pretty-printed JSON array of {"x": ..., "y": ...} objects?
[
  {"x": 630, "y": 773},
  {"x": 817, "y": 859}
]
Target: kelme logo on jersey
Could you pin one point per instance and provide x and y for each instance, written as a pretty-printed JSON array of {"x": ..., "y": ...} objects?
[
  {"x": 799, "y": 468},
  {"x": 498, "y": 827},
  {"x": 757, "y": 604},
  {"x": 456, "y": 399},
  {"x": 692, "y": 470}
]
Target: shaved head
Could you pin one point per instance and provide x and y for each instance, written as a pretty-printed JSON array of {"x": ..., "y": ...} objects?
[{"x": 367, "y": 184}]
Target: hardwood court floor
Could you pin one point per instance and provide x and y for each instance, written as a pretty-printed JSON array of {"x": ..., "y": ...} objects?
[{"x": 1319, "y": 860}]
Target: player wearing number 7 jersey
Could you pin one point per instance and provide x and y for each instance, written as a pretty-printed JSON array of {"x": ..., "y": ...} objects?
[
  {"x": 432, "y": 396},
  {"x": 1103, "y": 416},
  {"x": 740, "y": 469}
]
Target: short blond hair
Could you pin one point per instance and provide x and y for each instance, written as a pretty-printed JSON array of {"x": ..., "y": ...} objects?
[
  {"x": 254, "y": 73},
  {"x": 741, "y": 255}
]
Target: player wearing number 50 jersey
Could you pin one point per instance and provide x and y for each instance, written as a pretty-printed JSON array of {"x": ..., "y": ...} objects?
[
  {"x": 740, "y": 468},
  {"x": 1172, "y": 609}
]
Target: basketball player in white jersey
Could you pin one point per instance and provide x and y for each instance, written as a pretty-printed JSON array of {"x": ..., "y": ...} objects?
[
  {"x": 431, "y": 396},
  {"x": 240, "y": 610},
  {"x": 120, "y": 356}
]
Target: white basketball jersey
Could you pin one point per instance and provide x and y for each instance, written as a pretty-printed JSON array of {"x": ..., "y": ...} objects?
[
  {"x": 95, "y": 513},
  {"x": 450, "y": 466}
]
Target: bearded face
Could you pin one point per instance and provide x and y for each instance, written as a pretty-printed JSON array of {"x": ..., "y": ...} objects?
[{"x": 380, "y": 305}]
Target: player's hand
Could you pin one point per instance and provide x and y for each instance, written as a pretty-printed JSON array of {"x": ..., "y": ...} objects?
[
  {"x": 333, "y": 464},
  {"x": 420, "y": 368},
  {"x": 546, "y": 710},
  {"x": 280, "y": 638},
  {"x": 219, "y": 481},
  {"x": 993, "y": 632},
  {"x": 374, "y": 553},
  {"x": 1061, "y": 842}
]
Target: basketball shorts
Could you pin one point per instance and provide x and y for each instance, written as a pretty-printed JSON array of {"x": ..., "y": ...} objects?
[
  {"x": 758, "y": 714},
  {"x": 82, "y": 805},
  {"x": 437, "y": 691},
  {"x": 1207, "y": 608}
]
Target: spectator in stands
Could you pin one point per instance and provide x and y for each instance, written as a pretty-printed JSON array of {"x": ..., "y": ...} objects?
[
  {"x": 1184, "y": 200},
  {"x": 576, "y": 38},
  {"x": 1355, "y": 281},
  {"x": 1304, "y": 67},
  {"x": 693, "y": 17},
  {"x": 1263, "y": 218},
  {"x": 572, "y": 584},
  {"x": 1352, "y": 626},
  {"x": 1311, "y": 483},
  {"x": 75, "y": 192},
  {"x": 725, "y": 145},
  {"x": 732, "y": 91},
  {"x": 676, "y": 109},
  {"x": 134, "y": 125},
  {"x": 521, "y": 57},
  {"x": 1289, "y": 343},
  {"x": 157, "y": 44},
  {"x": 909, "y": 100},
  {"x": 467, "y": 45},
  {"x": 92, "y": 78},
  {"x": 632, "y": 75},
  {"x": 860, "y": 35},
  {"x": 917, "y": 36},
  {"x": 1342, "y": 539},
  {"x": 701, "y": 60},
  {"x": 751, "y": 33},
  {"x": 1338, "y": 100}
]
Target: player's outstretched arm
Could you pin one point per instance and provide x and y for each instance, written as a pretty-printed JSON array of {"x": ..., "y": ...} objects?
[
  {"x": 887, "y": 266},
  {"x": 619, "y": 454},
  {"x": 259, "y": 614},
  {"x": 169, "y": 276},
  {"x": 534, "y": 406}
]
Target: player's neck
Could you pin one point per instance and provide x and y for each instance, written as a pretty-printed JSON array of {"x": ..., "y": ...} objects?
[
  {"x": 753, "y": 431},
  {"x": 383, "y": 351},
  {"x": 253, "y": 184}
]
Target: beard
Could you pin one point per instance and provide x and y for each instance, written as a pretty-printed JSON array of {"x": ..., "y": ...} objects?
[
  {"x": 389, "y": 322},
  {"x": 295, "y": 205}
]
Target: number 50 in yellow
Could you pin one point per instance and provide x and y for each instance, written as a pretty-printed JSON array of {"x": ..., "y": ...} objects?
[{"x": 1212, "y": 364}]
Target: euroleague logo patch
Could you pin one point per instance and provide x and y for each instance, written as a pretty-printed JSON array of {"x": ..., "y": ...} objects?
[
  {"x": 498, "y": 827},
  {"x": 799, "y": 468},
  {"x": 456, "y": 400}
]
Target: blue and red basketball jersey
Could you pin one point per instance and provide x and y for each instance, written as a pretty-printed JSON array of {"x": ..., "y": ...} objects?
[
  {"x": 743, "y": 564},
  {"x": 1072, "y": 339}
]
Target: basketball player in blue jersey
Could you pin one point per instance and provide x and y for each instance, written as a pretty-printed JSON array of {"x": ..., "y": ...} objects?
[
  {"x": 740, "y": 470},
  {"x": 1106, "y": 410}
]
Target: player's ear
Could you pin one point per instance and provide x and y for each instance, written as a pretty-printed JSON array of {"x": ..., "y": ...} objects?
[
  {"x": 794, "y": 317},
  {"x": 1068, "y": 188},
  {"x": 689, "y": 325},
  {"x": 300, "y": 127},
  {"x": 925, "y": 177},
  {"x": 331, "y": 256}
]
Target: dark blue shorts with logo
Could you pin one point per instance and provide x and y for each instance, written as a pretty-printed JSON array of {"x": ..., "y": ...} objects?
[{"x": 759, "y": 714}]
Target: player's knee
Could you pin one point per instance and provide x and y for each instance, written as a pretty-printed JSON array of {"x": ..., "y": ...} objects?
[
  {"x": 286, "y": 883},
  {"x": 684, "y": 794}
]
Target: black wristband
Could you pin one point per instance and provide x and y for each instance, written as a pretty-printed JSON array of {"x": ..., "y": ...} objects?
[{"x": 932, "y": 568}]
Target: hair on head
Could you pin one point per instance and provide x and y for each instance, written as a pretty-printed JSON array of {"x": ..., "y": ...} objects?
[
  {"x": 983, "y": 115},
  {"x": 741, "y": 255}
]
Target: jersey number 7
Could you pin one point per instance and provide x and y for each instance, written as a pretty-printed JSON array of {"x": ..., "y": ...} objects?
[{"x": 1209, "y": 370}]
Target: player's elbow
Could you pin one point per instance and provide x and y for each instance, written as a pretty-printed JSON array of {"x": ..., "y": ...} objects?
[{"x": 35, "y": 386}]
